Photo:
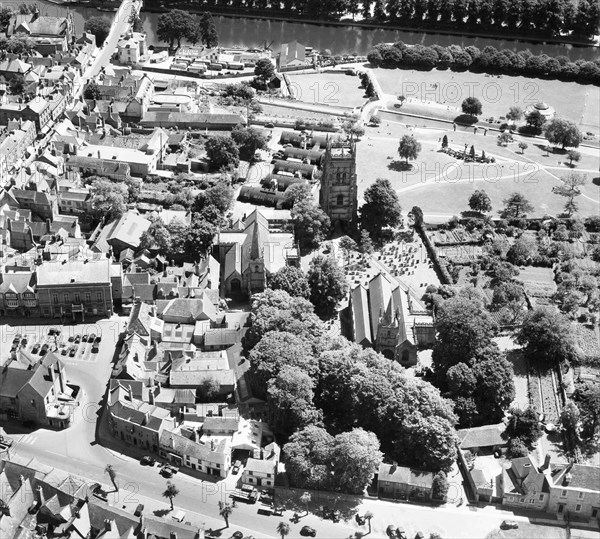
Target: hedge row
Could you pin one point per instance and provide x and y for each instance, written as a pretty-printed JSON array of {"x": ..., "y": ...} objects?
[{"x": 488, "y": 60}]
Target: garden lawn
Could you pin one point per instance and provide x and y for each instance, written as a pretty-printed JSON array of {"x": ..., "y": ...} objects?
[
  {"x": 576, "y": 102},
  {"x": 441, "y": 185},
  {"x": 335, "y": 89}
]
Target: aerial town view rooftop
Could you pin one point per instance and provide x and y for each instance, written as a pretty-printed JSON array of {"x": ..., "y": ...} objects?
[{"x": 299, "y": 269}]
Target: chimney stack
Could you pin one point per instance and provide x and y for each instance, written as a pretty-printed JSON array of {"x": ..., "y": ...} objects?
[
  {"x": 546, "y": 465},
  {"x": 130, "y": 392},
  {"x": 41, "y": 499},
  {"x": 107, "y": 525}
]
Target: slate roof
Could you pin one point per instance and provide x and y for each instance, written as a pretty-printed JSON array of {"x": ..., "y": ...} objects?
[
  {"x": 12, "y": 381},
  {"x": 261, "y": 466},
  {"x": 160, "y": 528},
  {"x": 405, "y": 476},
  {"x": 582, "y": 477},
  {"x": 18, "y": 282},
  {"x": 57, "y": 273}
]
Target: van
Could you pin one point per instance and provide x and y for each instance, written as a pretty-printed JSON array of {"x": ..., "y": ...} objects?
[
  {"x": 179, "y": 65},
  {"x": 238, "y": 66},
  {"x": 197, "y": 68},
  {"x": 215, "y": 67},
  {"x": 138, "y": 510},
  {"x": 179, "y": 516}
]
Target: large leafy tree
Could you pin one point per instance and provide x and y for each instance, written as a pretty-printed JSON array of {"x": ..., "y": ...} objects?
[
  {"x": 219, "y": 197},
  {"x": 208, "y": 30},
  {"x": 199, "y": 237},
  {"x": 264, "y": 69},
  {"x": 471, "y": 106},
  {"x": 276, "y": 310},
  {"x": 248, "y": 140},
  {"x": 290, "y": 398},
  {"x": 563, "y": 132},
  {"x": 157, "y": 237},
  {"x": 327, "y": 283},
  {"x": 277, "y": 349},
  {"x": 108, "y": 198},
  {"x": 308, "y": 456},
  {"x": 174, "y": 26},
  {"x": 409, "y": 147},
  {"x": 516, "y": 206},
  {"x": 464, "y": 332},
  {"x": 356, "y": 459},
  {"x": 92, "y": 91},
  {"x": 524, "y": 425},
  {"x": 381, "y": 208},
  {"x": 587, "y": 397},
  {"x": 480, "y": 201},
  {"x": 546, "y": 336},
  {"x": 99, "y": 27},
  {"x": 222, "y": 152},
  {"x": 291, "y": 280},
  {"x": 570, "y": 189},
  {"x": 311, "y": 223}
]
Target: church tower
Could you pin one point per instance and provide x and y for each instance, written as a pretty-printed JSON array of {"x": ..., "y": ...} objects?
[{"x": 338, "y": 194}]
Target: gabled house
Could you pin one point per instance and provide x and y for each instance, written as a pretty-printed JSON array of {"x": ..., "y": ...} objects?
[
  {"x": 18, "y": 295},
  {"x": 575, "y": 492},
  {"x": 525, "y": 484},
  {"x": 399, "y": 482}
]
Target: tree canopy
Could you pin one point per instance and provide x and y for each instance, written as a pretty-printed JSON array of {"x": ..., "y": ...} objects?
[
  {"x": 563, "y": 133},
  {"x": 480, "y": 201},
  {"x": 546, "y": 336},
  {"x": 381, "y": 208},
  {"x": 516, "y": 206},
  {"x": 327, "y": 283},
  {"x": 108, "y": 198},
  {"x": 311, "y": 223},
  {"x": 291, "y": 280},
  {"x": 99, "y": 27},
  {"x": 409, "y": 147},
  {"x": 472, "y": 106},
  {"x": 248, "y": 140},
  {"x": 222, "y": 152}
]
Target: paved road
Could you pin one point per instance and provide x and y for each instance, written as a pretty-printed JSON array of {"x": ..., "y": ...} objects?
[{"x": 119, "y": 26}]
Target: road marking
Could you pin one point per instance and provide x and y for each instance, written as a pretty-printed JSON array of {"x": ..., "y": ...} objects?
[{"x": 28, "y": 439}]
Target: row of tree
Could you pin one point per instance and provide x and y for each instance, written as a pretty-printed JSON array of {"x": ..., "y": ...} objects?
[
  {"x": 545, "y": 17},
  {"x": 177, "y": 25},
  {"x": 489, "y": 60}
]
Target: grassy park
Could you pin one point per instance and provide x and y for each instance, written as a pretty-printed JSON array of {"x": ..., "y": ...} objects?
[
  {"x": 576, "y": 102},
  {"x": 335, "y": 89},
  {"x": 441, "y": 185}
]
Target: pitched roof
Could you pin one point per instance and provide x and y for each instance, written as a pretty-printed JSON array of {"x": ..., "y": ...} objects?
[
  {"x": 12, "y": 381},
  {"x": 405, "y": 476},
  {"x": 75, "y": 271},
  {"x": 261, "y": 466},
  {"x": 484, "y": 436}
]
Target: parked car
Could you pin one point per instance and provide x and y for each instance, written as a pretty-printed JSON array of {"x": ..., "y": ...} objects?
[
  {"x": 92, "y": 337},
  {"x": 94, "y": 349},
  {"x": 24, "y": 341},
  {"x": 64, "y": 351},
  {"x": 237, "y": 535},
  {"x": 72, "y": 351},
  {"x": 509, "y": 525},
  {"x": 44, "y": 349},
  {"x": 236, "y": 467},
  {"x": 84, "y": 338},
  {"x": 35, "y": 349},
  {"x": 77, "y": 339},
  {"x": 138, "y": 510},
  {"x": 71, "y": 338},
  {"x": 307, "y": 531},
  {"x": 147, "y": 460},
  {"x": 179, "y": 516},
  {"x": 98, "y": 338},
  {"x": 54, "y": 332},
  {"x": 17, "y": 339}
]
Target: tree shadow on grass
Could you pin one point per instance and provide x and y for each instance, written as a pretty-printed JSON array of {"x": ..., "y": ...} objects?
[
  {"x": 596, "y": 181},
  {"x": 161, "y": 512},
  {"x": 399, "y": 166}
]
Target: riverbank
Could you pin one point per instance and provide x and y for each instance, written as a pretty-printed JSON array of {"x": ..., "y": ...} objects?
[{"x": 292, "y": 17}]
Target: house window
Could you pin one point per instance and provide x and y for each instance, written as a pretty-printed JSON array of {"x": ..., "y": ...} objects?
[
  {"x": 250, "y": 473},
  {"x": 66, "y": 298},
  {"x": 88, "y": 297},
  {"x": 578, "y": 507},
  {"x": 269, "y": 475},
  {"x": 98, "y": 296},
  {"x": 77, "y": 297},
  {"x": 12, "y": 303},
  {"x": 541, "y": 498},
  {"x": 563, "y": 494},
  {"x": 55, "y": 299},
  {"x": 522, "y": 500},
  {"x": 340, "y": 200},
  {"x": 532, "y": 500},
  {"x": 581, "y": 495}
]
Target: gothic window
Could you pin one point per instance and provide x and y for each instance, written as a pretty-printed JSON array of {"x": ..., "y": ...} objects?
[{"x": 340, "y": 200}]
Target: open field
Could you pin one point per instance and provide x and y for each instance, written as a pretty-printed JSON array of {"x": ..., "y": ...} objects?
[
  {"x": 577, "y": 102},
  {"x": 441, "y": 185},
  {"x": 336, "y": 89}
]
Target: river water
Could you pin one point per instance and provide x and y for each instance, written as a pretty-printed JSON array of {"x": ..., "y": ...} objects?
[{"x": 340, "y": 40}]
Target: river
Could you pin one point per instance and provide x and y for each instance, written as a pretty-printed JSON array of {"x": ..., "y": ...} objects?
[{"x": 339, "y": 40}]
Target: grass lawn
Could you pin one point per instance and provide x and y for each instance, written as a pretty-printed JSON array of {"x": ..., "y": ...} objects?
[
  {"x": 441, "y": 185},
  {"x": 334, "y": 89},
  {"x": 576, "y": 102}
]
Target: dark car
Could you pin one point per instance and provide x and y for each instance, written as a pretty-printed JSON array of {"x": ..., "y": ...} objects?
[
  {"x": 237, "y": 535},
  {"x": 77, "y": 339},
  {"x": 307, "y": 531},
  {"x": 84, "y": 338},
  {"x": 94, "y": 349},
  {"x": 92, "y": 337},
  {"x": 35, "y": 349},
  {"x": 72, "y": 351},
  {"x": 17, "y": 339},
  {"x": 509, "y": 525},
  {"x": 64, "y": 351},
  {"x": 44, "y": 349},
  {"x": 24, "y": 341},
  {"x": 98, "y": 338},
  {"x": 54, "y": 332},
  {"x": 71, "y": 338},
  {"x": 147, "y": 460},
  {"x": 166, "y": 472},
  {"x": 138, "y": 510}
]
